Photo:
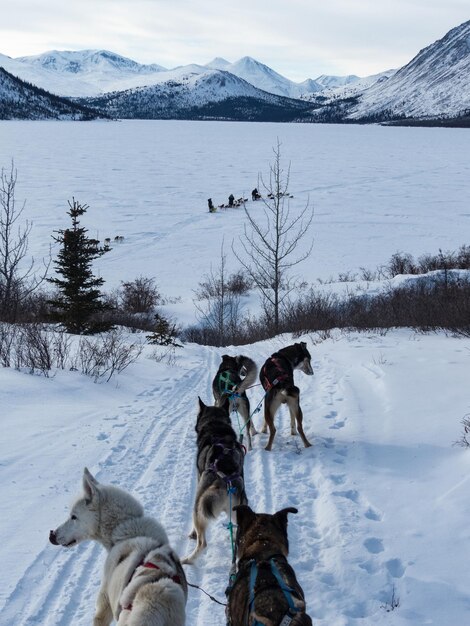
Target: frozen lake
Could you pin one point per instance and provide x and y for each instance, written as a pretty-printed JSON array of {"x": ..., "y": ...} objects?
[{"x": 375, "y": 190}]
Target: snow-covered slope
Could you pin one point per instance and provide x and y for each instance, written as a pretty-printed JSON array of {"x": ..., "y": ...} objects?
[
  {"x": 20, "y": 100},
  {"x": 381, "y": 533},
  {"x": 81, "y": 73},
  {"x": 94, "y": 72},
  {"x": 336, "y": 81},
  {"x": 267, "y": 79},
  {"x": 334, "y": 87},
  {"x": 196, "y": 95},
  {"x": 436, "y": 82},
  {"x": 86, "y": 61},
  {"x": 218, "y": 64}
]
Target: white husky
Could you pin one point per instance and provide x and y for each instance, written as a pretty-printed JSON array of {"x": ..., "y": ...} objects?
[{"x": 143, "y": 582}]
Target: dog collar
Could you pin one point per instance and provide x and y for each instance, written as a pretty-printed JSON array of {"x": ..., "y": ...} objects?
[{"x": 174, "y": 578}]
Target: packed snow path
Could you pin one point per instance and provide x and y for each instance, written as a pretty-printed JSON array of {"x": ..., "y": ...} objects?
[{"x": 370, "y": 491}]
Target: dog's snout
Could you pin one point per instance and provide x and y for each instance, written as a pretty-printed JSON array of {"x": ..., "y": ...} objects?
[{"x": 53, "y": 538}]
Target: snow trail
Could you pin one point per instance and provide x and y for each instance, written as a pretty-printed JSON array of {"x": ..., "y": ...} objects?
[{"x": 356, "y": 540}]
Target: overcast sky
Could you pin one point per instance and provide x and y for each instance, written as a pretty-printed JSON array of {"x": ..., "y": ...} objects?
[{"x": 298, "y": 38}]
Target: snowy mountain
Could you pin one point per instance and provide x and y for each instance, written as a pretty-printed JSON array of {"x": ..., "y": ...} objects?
[
  {"x": 94, "y": 72},
  {"x": 82, "y": 73},
  {"x": 20, "y": 100},
  {"x": 330, "y": 82},
  {"x": 218, "y": 64},
  {"x": 87, "y": 61},
  {"x": 267, "y": 79},
  {"x": 212, "y": 94},
  {"x": 436, "y": 82}
]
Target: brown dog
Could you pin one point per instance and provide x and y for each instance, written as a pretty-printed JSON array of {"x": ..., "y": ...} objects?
[
  {"x": 277, "y": 378},
  {"x": 265, "y": 591}
]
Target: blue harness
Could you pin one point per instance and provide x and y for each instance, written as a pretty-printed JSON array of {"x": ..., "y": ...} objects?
[{"x": 286, "y": 590}]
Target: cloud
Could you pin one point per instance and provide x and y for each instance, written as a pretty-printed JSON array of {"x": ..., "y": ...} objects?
[{"x": 299, "y": 38}]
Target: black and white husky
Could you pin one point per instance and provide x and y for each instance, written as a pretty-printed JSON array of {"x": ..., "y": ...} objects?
[
  {"x": 219, "y": 462},
  {"x": 234, "y": 376},
  {"x": 143, "y": 581},
  {"x": 277, "y": 378}
]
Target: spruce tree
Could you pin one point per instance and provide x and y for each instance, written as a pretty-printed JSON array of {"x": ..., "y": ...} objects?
[
  {"x": 78, "y": 305},
  {"x": 164, "y": 333}
]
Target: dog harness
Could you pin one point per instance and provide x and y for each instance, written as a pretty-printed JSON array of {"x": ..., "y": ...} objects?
[
  {"x": 214, "y": 466},
  {"x": 227, "y": 385},
  {"x": 151, "y": 565},
  {"x": 274, "y": 372},
  {"x": 286, "y": 590}
]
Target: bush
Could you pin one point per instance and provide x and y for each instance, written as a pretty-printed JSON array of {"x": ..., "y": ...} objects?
[
  {"x": 405, "y": 264},
  {"x": 106, "y": 355},
  {"x": 464, "y": 440},
  {"x": 39, "y": 349},
  {"x": 165, "y": 333},
  {"x": 140, "y": 295},
  {"x": 401, "y": 264},
  {"x": 441, "y": 302}
]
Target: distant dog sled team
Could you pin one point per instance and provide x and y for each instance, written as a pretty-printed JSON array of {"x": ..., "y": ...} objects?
[
  {"x": 144, "y": 583},
  {"x": 234, "y": 203}
]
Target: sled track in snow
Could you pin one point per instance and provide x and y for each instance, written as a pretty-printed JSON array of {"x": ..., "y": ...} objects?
[{"x": 154, "y": 458}]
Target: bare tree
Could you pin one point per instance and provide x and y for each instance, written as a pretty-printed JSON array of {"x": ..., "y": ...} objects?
[
  {"x": 218, "y": 303},
  {"x": 17, "y": 277},
  {"x": 270, "y": 241}
]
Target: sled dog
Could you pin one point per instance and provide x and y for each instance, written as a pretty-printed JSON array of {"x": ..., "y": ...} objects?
[
  {"x": 265, "y": 589},
  {"x": 277, "y": 378},
  {"x": 143, "y": 580},
  {"x": 234, "y": 376},
  {"x": 219, "y": 464}
]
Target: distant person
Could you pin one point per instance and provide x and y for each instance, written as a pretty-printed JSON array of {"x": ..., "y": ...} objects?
[
  {"x": 255, "y": 195},
  {"x": 211, "y": 206},
  {"x": 231, "y": 199}
]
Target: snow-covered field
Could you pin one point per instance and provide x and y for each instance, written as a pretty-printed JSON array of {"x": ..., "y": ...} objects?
[
  {"x": 382, "y": 494},
  {"x": 375, "y": 190}
]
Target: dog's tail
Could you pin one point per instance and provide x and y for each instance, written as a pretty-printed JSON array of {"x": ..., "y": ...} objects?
[
  {"x": 247, "y": 368},
  {"x": 216, "y": 499}
]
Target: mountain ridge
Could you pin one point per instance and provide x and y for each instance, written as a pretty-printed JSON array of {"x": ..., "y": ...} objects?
[{"x": 435, "y": 84}]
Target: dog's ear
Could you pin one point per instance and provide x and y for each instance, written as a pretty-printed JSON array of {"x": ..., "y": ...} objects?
[
  {"x": 202, "y": 406},
  {"x": 281, "y": 516},
  {"x": 245, "y": 516},
  {"x": 90, "y": 484}
]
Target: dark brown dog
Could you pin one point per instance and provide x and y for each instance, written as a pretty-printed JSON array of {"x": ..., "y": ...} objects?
[
  {"x": 277, "y": 378},
  {"x": 265, "y": 591}
]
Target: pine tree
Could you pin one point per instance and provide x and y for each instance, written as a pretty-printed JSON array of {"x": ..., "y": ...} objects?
[
  {"x": 78, "y": 304},
  {"x": 164, "y": 334}
]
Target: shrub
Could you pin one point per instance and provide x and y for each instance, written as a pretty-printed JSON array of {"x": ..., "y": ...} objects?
[
  {"x": 103, "y": 356},
  {"x": 165, "y": 333},
  {"x": 140, "y": 295},
  {"x": 464, "y": 440}
]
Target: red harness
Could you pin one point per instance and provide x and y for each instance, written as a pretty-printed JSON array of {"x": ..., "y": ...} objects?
[
  {"x": 175, "y": 578},
  {"x": 280, "y": 373}
]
